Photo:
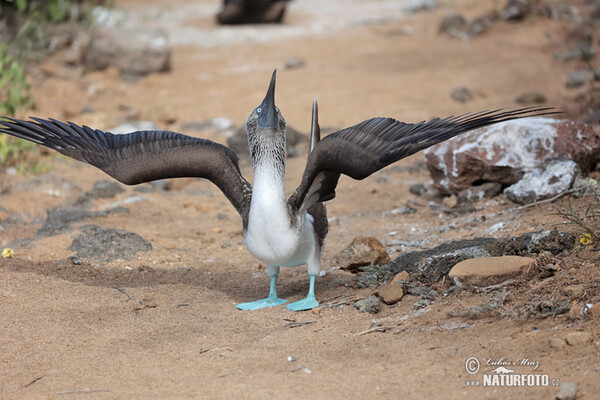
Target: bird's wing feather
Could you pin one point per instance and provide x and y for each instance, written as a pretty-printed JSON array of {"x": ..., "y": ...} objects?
[
  {"x": 141, "y": 156},
  {"x": 362, "y": 149}
]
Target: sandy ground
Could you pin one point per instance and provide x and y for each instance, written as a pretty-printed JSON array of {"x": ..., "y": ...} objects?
[{"x": 164, "y": 324}]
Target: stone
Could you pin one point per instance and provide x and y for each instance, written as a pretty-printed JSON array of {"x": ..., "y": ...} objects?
[
  {"x": 595, "y": 311},
  {"x": 418, "y": 189},
  {"x": 567, "y": 391},
  {"x": 578, "y": 338},
  {"x": 479, "y": 192},
  {"x": 578, "y": 78},
  {"x": 487, "y": 271},
  {"x": 515, "y": 10},
  {"x": 450, "y": 202},
  {"x": 504, "y": 152},
  {"x": 362, "y": 251},
  {"x": 369, "y": 305},
  {"x": 575, "y": 312},
  {"x": 531, "y": 98},
  {"x": 453, "y": 22},
  {"x": 583, "y": 50},
  {"x": 461, "y": 94},
  {"x": 544, "y": 182},
  {"x": 413, "y": 6},
  {"x": 391, "y": 292},
  {"x": 134, "y": 51},
  {"x": 108, "y": 244},
  {"x": 401, "y": 277}
]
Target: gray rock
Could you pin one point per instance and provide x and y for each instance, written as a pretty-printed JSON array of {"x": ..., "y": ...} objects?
[
  {"x": 543, "y": 182},
  {"x": 101, "y": 190},
  {"x": 584, "y": 50},
  {"x": 413, "y": 6},
  {"x": 369, "y": 305},
  {"x": 479, "y": 192},
  {"x": 134, "y": 52},
  {"x": 452, "y": 23},
  {"x": 362, "y": 251},
  {"x": 567, "y": 391},
  {"x": 531, "y": 98},
  {"x": 504, "y": 152},
  {"x": 461, "y": 94},
  {"x": 516, "y": 9},
  {"x": 418, "y": 189},
  {"x": 107, "y": 244},
  {"x": 578, "y": 78}
]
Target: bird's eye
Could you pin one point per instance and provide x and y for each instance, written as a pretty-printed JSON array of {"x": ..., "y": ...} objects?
[{"x": 258, "y": 110}]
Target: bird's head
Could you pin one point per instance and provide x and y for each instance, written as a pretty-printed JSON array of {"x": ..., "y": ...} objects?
[{"x": 266, "y": 125}]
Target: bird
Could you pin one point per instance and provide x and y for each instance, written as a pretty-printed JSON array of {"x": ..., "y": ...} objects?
[{"x": 278, "y": 231}]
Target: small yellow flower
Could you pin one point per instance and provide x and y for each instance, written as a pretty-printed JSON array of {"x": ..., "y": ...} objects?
[
  {"x": 7, "y": 253},
  {"x": 585, "y": 239}
]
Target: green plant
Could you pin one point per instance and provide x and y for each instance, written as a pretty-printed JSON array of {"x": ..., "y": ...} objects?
[
  {"x": 588, "y": 220},
  {"x": 14, "y": 90}
]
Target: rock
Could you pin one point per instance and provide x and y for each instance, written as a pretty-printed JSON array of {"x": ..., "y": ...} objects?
[
  {"x": 391, "y": 292},
  {"x": 452, "y": 23},
  {"x": 369, "y": 305},
  {"x": 557, "y": 343},
  {"x": 134, "y": 51},
  {"x": 413, "y": 6},
  {"x": 491, "y": 270},
  {"x": 476, "y": 193},
  {"x": 578, "y": 338},
  {"x": 578, "y": 78},
  {"x": 461, "y": 94},
  {"x": 293, "y": 63},
  {"x": 418, "y": 189},
  {"x": 567, "y": 391},
  {"x": 575, "y": 312},
  {"x": 531, "y": 98},
  {"x": 429, "y": 266},
  {"x": 541, "y": 183},
  {"x": 104, "y": 190},
  {"x": 595, "y": 311},
  {"x": 583, "y": 50},
  {"x": 362, "y": 251},
  {"x": 450, "y": 202},
  {"x": 401, "y": 277},
  {"x": 404, "y": 210},
  {"x": 516, "y": 9},
  {"x": 505, "y": 152},
  {"x": 108, "y": 244}
]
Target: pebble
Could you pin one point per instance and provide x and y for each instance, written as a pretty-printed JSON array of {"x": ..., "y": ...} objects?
[
  {"x": 567, "y": 391},
  {"x": 391, "y": 292},
  {"x": 595, "y": 310},
  {"x": 461, "y": 94},
  {"x": 361, "y": 252},
  {"x": 369, "y": 305},
  {"x": 418, "y": 189},
  {"x": 531, "y": 98},
  {"x": 578, "y": 338},
  {"x": 575, "y": 312},
  {"x": 486, "y": 271},
  {"x": 578, "y": 78}
]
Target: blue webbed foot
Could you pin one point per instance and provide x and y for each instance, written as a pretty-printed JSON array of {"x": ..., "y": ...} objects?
[
  {"x": 307, "y": 303},
  {"x": 270, "y": 301}
]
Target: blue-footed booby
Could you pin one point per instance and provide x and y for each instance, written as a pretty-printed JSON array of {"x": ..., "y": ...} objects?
[{"x": 279, "y": 232}]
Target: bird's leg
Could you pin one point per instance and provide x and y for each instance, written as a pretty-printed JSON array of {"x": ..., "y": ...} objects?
[
  {"x": 270, "y": 301},
  {"x": 307, "y": 303}
]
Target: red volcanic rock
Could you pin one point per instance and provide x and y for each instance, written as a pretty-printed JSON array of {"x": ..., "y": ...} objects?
[{"x": 504, "y": 152}]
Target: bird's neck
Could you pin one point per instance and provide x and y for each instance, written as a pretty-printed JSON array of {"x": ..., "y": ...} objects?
[{"x": 267, "y": 153}]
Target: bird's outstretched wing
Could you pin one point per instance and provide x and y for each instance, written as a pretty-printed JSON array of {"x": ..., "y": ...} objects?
[
  {"x": 362, "y": 149},
  {"x": 141, "y": 156}
]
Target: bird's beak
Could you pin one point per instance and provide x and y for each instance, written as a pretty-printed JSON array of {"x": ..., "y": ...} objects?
[{"x": 268, "y": 116}]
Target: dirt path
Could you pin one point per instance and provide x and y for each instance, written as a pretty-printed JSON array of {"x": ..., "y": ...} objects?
[{"x": 164, "y": 325}]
